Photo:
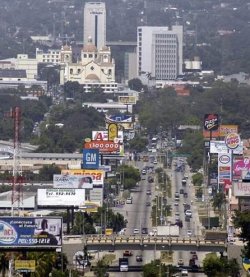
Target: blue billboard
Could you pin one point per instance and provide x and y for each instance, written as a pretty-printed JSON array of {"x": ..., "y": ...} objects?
[
  {"x": 34, "y": 232},
  {"x": 90, "y": 158}
]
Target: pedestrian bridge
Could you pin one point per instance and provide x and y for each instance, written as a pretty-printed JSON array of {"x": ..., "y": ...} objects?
[{"x": 144, "y": 242}]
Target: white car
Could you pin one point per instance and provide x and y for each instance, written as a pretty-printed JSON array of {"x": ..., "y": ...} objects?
[
  {"x": 189, "y": 233},
  {"x": 188, "y": 213},
  {"x": 136, "y": 231}
]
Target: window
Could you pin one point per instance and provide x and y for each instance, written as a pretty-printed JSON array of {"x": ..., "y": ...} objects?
[
  {"x": 90, "y": 55},
  {"x": 78, "y": 70},
  {"x": 85, "y": 55},
  {"x": 71, "y": 71},
  {"x": 110, "y": 72}
]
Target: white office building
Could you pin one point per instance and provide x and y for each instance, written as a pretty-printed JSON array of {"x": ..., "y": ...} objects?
[
  {"x": 160, "y": 52},
  {"x": 94, "y": 24}
]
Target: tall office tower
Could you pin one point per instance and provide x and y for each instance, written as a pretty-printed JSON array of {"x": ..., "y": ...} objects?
[
  {"x": 159, "y": 52},
  {"x": 94, "y": 24}
]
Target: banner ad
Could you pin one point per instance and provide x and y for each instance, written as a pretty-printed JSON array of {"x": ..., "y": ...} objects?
[
  {"x": 72, "y": 181},
  {"x": 96, "y": 174},
  {"x": 219, "y": 147},
  {"x": 241, "y": 189},
  {"x": 61, "y": 197},
  {"x": 239, "y": 165},
  {"x": 35, "y": 232}
]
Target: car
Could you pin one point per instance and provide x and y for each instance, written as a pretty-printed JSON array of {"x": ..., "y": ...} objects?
[
  {"x": 188, "y": 213},
  {"x": 177, "y": 214},
  {"x": 195, "y": 257},
  {"x": 148, "y": 204},
  {"x": 136, "y": 231},
  {"x": 155, "y": 161},
  {"x": 180, "y": 262},
  {"x": 189, "y": 233},
  {"x": 127, "y": 253},
  {"x": 181, "y": 191},
  {"x": 139, "y": 258},
  {"x": 187, "y": 218},
  {"x": 144, "y": 231},
  {"x": 148, "y": 192},
  {"x": 176, "y": 204},
  {"x": 150, "y": 179},
  {"x": 144, "y": 172},
  {"x": 193, "y": 252},
  {"x": 184, "y": 272}
]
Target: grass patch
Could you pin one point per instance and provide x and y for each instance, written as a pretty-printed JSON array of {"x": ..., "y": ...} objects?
[
  {"x": 166, "y": 256},
  {"x": 109, "y": 258}
]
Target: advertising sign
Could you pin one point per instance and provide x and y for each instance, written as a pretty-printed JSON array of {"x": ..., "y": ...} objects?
[
  {"x": 127, "y": 99},
  {"x": 211, "y": 122},
  {"x": 104, "y": 146},
  {"x": 61, "y": 197},
  {"x": 30, "y": 232},
  {"x": 91, "y": 158},
  {"x": 228, "y": 129},
  {"x": 221, "y": 132},
  {"x": 240, "y": 165},
  {"x": 245, "y": 175},
  {"x": 96, "y": 174},
  {"x": 72, "y": 181},
  {"x": 25, "y": 265},
  {"x": 217, "y": 147},
  {"x": 241, "y": 189},
  {"x": 112, "y": 131},
  {"x": 103, "y": 135},
  {"x": 224, "y": 168},
  {"x": 232, "y": 140}
]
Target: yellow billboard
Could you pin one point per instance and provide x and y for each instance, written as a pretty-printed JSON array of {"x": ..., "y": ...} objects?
[
  {"x": 228, "y": 129},
  {"x": 25, "y": 265},
  {"x": 131, "y": 100}
]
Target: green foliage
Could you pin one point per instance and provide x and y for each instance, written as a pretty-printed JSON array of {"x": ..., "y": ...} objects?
[
  {"x": 219, "y": 200},
  {"x": 47, "y": 171},
  {"x": 158, "y": 269},
  {"x": 138, "y": 143},
  {"x": 101, "y": 268},
  {"x": 135, "y": 84},
  {"x": 197, "y": 179},
  {"x": 220, "y": 267},
  {"x": 129, "y": 176},
  {"x": 242, "y": 220}
]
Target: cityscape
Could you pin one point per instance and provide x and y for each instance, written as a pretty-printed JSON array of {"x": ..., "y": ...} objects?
[{"x": 124, "y": 145}]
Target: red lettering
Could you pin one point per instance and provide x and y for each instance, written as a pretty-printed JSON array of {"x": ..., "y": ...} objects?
[{"x": 98, "y": 136}]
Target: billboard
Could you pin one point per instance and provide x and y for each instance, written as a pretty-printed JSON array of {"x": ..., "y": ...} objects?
[
  {"x": 211, "y": 122},
  {"x": 224, "y": 168},
  {"x": 112, "y": 131},
  {"x": 61, "y": 197},
  {"x": 104, "y": 146},
  {"x": 222, "y": 131},
  {"x": 217, "y": 147},
  {"x": 125, "y": 122},
  {"x": 103, "y": 135},
  {"x": 96, "y": 174},
  {"x": 239, "y": 165},
  {"x": 25, "y": 265},
  {"x": 72, "y": 181},
  {"x": 241, "y": 189},
  {"x": 91, "y": 158},
  {"x": 127, "y": 99},
  {"x": 30, "y": 232}
]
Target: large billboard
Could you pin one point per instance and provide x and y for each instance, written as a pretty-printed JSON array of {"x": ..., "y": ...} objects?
[
  {"x": 30, "y": 232},
  {"x": 96, "y": 174},
  {"x": 239, "y": 165},
  {"x": 224, "y": 168},
  {"x": 217, "y": 147},
  {"x": 61, "y": 197},
  {"x": 241, "y": 189},
  {"x": 103, "y": 135},
  {"x": 125, "y": 122},
  {"x": 67, "y": 181},
  {"x": 222, "y": 131}
]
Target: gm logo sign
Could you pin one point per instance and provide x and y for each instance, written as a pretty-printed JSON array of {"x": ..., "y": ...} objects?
[{"x": 91, "y": 158}]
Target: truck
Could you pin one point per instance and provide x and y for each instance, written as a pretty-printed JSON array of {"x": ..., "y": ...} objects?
[
  {"x": 168, "y": 231},
  {"x": 123, "y": 264}
]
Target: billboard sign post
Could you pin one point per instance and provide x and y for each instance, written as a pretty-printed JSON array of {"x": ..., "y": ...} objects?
[
  {"x": 30, "y": 232},
  {"x": 91, "y": 158}
]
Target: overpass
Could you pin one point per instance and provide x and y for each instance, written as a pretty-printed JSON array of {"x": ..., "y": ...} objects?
[{"x": 72, "y": 244}]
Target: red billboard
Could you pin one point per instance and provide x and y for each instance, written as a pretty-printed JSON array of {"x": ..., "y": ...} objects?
[{"x": 104, "y": 146}]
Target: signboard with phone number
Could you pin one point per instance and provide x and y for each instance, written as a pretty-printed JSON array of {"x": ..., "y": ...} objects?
[{"x": 26, "y": 232}]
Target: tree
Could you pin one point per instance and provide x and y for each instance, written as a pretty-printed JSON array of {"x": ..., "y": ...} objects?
[
  {"x": 212, "y": 265},
  {"x": 135, "y": 84},
  {"x": 101, "y": 268},
  {"x": 197, "y": 179},
  {"x": 241, "y": 220},
  {"x": 219, "y": 200},
  {"x": 47, "y": 171}
]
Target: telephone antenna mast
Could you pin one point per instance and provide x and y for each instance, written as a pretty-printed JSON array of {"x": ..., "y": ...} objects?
[{"x": 17, "y": 196}]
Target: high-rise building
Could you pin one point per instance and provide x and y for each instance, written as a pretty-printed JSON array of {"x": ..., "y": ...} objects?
[
  {"x": 94, "y": 24},
  {"x": 159, "y": 52}
]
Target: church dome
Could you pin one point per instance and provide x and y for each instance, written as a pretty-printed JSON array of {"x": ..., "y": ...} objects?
[
  {"x": 66, "y": 47},
  {"x": 89, "y": 47},
  {"x": 105, "y": 48}
]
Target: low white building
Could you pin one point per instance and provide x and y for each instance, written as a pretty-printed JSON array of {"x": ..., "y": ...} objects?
[{"x": 105, "y": 107}]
